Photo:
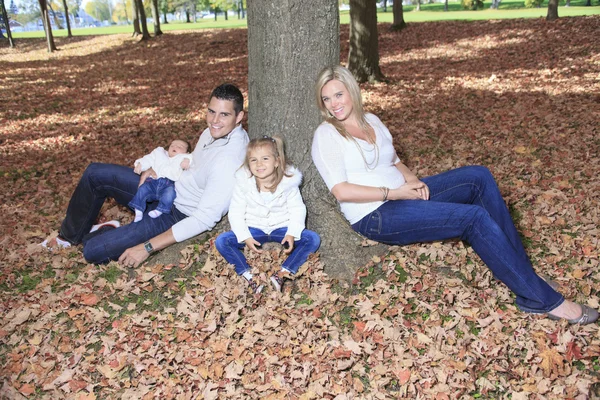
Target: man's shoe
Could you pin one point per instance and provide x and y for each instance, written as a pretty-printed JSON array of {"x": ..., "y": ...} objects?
[
  {"x": 53, "y": 243},
  {"x": 114, "y": 224}
]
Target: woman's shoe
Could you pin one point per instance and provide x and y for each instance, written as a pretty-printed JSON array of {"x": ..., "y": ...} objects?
[{"x": 588, "y": 316}]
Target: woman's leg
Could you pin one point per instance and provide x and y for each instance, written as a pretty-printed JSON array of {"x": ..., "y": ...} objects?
[
  {"x": 98, "y": 182},
  {"x": 412, "y": 221}
]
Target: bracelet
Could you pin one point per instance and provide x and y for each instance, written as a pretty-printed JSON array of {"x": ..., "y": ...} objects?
[{"x": 385, "y": 191}]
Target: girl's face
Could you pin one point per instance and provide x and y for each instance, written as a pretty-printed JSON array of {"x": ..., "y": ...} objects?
[
  {"x": 337, "y": 100},
  {"x": 263, "y": 163}
]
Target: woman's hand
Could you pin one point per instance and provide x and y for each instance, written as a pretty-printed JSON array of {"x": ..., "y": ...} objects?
[
  {"x": 134, "y": 256},
  {"x": 415, "y": 190},
  {"x": 289, "y": 239},
  {"x": 253, "y": 244},
  {"x": 147, "y": 173}
]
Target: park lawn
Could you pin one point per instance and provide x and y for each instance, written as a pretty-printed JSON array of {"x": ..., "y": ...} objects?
[
  {"x": 429, "y": 12},
  {"x": 421, "y": 321}
]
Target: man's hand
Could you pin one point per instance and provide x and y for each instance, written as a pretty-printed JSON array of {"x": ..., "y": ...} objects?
[
  {"x": 146, "y": 174},
  {"x": 134, "y": 256},
  {"x": 253, "y": 244},
  {"x": 289, "y": 239},
  {"x": 185, "y": 164}
]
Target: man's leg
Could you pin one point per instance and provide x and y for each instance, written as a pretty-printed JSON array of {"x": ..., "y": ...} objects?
[{"x": 98, "y": 182}]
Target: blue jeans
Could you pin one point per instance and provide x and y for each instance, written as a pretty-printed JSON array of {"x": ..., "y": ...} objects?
[
  {"x": 98, "y": 182},
  {"x": 465, "y": 203},
  {"x": 231, "y": 250},
  {"x": 161, "y": 189}
]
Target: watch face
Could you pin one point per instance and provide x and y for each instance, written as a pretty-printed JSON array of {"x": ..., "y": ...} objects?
[{"x": 148, "y": 247}]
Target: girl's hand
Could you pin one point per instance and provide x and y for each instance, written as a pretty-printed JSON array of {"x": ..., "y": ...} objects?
[
  {"x": 410, "y": 191},
  {"x": 133, "y": 256},
  {"x": 289, "y": 239},
  {"x": 253, "y": 244}
]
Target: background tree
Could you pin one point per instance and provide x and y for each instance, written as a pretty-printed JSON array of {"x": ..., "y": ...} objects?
[
  {"x": 156, "y": 18},
  {"x": 5, "y": 21},
  {"x": 240, "y": 7},
  {"x": 66, "y": 14},
  {"x": 47, "y": 25},
  {"x": 142, "y": 17},
  {"x": 289, "y": 42},
  {"x": 136, "y": 18},
  {"x": 363, "y": 57},
  {"x": 384, "y": 5},
  {"x": 552, "y": 10},
  {"x": 399, "y": 22},
  {"x": 99, "y": 9},
  {"x": 120, "y": 13}
]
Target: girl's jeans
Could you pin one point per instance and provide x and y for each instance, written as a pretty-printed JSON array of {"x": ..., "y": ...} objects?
[
  {"x": 161, "y": 190},
  {"x": 231, "y": 250},
  {"x": 98, "y": 182},
  {"x": 465, "y": 203}
]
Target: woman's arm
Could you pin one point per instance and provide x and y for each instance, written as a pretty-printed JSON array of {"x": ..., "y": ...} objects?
[
  {"x": 410, "y": 177},
  {"x": 353, "y": 193}
]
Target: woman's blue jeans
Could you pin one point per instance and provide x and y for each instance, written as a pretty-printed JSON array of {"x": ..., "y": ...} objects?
[
  {"x": 231, "y": 250},
  {"x": 465, "y": 203},
  {"x": 161, "y": 190},
  {"x": 98, "y": 182}
]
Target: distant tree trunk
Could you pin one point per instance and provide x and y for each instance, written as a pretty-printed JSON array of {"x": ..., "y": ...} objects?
[
  {"x": 225, "y": 13},
  {"x": 187, "y": 16},
  {"x": 384, "y": 5},
  {"x": 363, "y": 57},
  {"x": 47, "y": 25},
  {"x": 69, "y": 34},
  {"x": 418, "y": 5},
  {"x": 588, "y": 3},
  {"x": 165, "y": 18},
  {"x": 568, "y": 3},
  {"x": 56, "y": 19},
  {"x": 242, "y": 7},
  {"x": 445, "y": 5},
  {"x": 125, "y": 10},
  {"x": 156, "y": 18},
  {"x": 136, "y": 19},
  {"x": 552, "y": 10},
  {"x": 216, "y": 13},
  {"x": 7, "y": 25},
  {"x": 398, "y": 23},
  {"x": 143, "y": 22}
]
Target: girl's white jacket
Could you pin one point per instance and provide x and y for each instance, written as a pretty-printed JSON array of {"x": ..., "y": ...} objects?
[{"x": 249, "y": 208}]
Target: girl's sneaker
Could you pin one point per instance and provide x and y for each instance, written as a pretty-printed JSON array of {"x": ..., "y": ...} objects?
[
  {"x": 276, "y": 281},
  {"x": 256, "y": 289}
]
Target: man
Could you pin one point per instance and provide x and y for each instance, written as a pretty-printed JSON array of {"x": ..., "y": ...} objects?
[{"x": 203, "y": 192}]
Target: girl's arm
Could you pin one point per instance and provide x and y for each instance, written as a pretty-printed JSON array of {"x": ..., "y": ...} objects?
[{"x": 297, "y": 214}]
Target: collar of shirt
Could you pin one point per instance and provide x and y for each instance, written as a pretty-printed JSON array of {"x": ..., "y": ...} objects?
[{"x": 222, "y": 141}]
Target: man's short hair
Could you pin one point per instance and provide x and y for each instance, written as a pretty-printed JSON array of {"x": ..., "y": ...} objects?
[{"x": 229, "y": 92}]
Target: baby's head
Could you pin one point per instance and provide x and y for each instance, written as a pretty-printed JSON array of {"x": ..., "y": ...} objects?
[{"x": 178, "y": 146}]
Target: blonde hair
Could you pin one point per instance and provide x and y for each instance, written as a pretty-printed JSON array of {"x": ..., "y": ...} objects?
[
  {"x": 276, "y": 145},
  {"x": 339, "y": 73}
]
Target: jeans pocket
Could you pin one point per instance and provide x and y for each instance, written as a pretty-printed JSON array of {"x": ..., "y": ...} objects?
[{"x": 374, "y": 224}]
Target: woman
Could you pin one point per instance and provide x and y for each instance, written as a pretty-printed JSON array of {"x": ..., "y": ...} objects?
[{"x": 384, "y": 201}]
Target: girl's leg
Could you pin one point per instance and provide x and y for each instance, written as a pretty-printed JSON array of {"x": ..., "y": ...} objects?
[
  {"x": 412, "y": 221},
  {"x": 232, "y": 251},
  {"x": 309, "y": 243}
]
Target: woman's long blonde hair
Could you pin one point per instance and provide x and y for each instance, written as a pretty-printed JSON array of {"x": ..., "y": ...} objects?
[
  {"x": 276, "y": 145},
  {"x": 341, "y": 74}
]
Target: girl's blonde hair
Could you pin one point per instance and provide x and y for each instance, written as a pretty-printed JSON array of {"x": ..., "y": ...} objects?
[
  {"x": 339, "y": 73},
  {"x": 275, "y": 144}
]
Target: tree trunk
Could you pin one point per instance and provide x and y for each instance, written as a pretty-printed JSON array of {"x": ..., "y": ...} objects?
[
  {"x": 384, "y": 5},
  {"x": 399, "y": 23},
  {"x": 552, "y": 10},
  {"x": 568, "y": 3},
  {"x": 363, "y": 57},
  {"x": 588, "y": 3},
  {"x": 7, "y": 24},
  {"x": 244, "y": 11},
  {"x": 418, "y": 5},
  {"x": 143, "y": 22},
  {"x": 56, "y": 20},
  {"x": 69, "y": 34},
  {"x": 445, "y": 5},
  {"x": 47, "y": 25},
  {"x": 289, "y": 42},
  {"x": 165, "y": 18},
  {"x": 136, "y": 19},
  {"x": 156, "y": 18}
]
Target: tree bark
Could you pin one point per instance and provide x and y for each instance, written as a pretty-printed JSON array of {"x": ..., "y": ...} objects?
[
  {"x": 363, "y": 57},
  {"x": 143, "y": 22},
  {"x": 69, "y": 34},
  {"x": 47, "y": 25},
  {"x": 384, "y": 5},
  {"x": 552, "y": 10},
  {"x": 289, "y": 42},
  {"x": 136, "y": 19},
  {"x": 445, "y": 5},
  {"x": 418, "y": 5},
  {"x": 156, "y": 18},
  {"x": 11, "y": 42},
  {"x": 399, "y": 22}
]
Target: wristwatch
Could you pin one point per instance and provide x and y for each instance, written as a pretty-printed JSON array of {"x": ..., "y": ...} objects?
[{"x": 148, "y": 247}]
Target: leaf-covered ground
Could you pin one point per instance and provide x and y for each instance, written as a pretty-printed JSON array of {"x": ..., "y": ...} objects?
[{"x": 423, "y": 321}]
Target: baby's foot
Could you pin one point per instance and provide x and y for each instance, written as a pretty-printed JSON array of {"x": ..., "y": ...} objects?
[
  {"x": 138, "y": 216},
  {"x": 154, "y": 214}
]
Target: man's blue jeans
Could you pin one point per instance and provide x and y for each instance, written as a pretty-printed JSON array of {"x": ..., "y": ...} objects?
[
  {"x": 161, "y": 190},
  {"x": 98, "y": 182},
  {"x": 231, "y": 250},
  {"x": 465, "y": 203}
]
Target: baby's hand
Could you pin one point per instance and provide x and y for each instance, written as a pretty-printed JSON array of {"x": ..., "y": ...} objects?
[
  {"x": 185, "y": 164},
  {"x": 138, "y": 168}
]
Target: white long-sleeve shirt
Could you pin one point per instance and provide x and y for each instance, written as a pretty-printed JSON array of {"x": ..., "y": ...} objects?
[
  {"x": 163, "y": 165},
  {"x": 267, "y": 211},
  {"x": 204, "y": 190}
]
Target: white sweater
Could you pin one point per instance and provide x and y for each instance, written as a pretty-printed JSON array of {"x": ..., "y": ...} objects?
[
  {"x": 339, "y": 160},
  {"x": 162, "y": 164},
  {"x": 204, "y": 190},
  {"x": 249, "y": 208}
]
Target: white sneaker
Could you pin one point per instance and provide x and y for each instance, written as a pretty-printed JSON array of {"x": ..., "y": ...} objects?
[
  {"x": 47, "y": 244},
  {"x": 112, "y": 223}
]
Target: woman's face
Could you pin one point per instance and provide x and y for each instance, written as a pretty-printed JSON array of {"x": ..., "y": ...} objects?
[{"x": 337, "y": 100}]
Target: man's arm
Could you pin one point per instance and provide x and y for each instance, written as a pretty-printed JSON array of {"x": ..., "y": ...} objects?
[{"x": 134, "y": 256}]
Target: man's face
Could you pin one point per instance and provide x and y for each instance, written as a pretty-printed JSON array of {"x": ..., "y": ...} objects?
[{"x": 221, "y": 118}]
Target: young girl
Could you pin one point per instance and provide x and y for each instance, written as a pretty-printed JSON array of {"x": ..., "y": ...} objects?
[{"x": 267, "y": 207}]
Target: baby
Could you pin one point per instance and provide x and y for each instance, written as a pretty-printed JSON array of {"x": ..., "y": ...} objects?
[{"x": 168, "y": 166}]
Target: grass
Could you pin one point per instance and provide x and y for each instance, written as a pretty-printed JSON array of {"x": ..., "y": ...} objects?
[{"x": 429, "y": 12}]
